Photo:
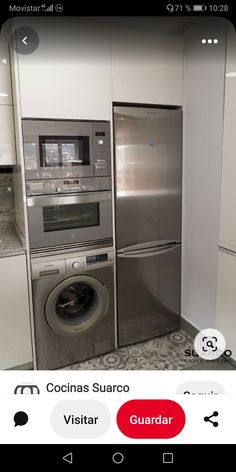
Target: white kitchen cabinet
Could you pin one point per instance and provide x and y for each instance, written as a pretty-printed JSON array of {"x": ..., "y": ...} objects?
[
  {"x": 15, "y": 338},
  {"x": 147, "y": 68},
  {"x": 69, "y": 75},
  {"x": 7, "y": 137},
  {"x": 5, "y": 76},
  {"x": 77, "y": 74},
  {"x": 228, "y": 187},
  {"x": 226, "y": 300}
]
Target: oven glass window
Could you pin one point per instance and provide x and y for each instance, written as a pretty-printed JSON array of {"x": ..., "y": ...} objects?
[
  {"x": 79, "y": 215},
  {"x": 64, "y": 151}
]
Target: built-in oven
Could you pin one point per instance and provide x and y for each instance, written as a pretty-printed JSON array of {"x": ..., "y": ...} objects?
[
  {"x": 81, "y": 219},
  {"x": 66, "y": 149},
  {"x": 68, "y": 183}
]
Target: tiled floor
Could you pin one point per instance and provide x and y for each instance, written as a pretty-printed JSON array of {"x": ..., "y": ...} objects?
[{"x": 162, "y": 353}]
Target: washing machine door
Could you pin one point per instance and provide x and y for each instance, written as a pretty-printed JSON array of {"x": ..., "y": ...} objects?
[{"x": 76, "y": 305}]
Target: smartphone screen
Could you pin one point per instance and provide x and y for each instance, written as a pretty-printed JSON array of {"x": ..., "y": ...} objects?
[{"x": 117, "y": 235}]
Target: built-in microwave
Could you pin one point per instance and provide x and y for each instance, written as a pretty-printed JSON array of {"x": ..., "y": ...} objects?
[{"x": 66, "y": 149}]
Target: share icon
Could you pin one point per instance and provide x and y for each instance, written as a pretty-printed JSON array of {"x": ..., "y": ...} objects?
[{"x": 208, "y": 418}]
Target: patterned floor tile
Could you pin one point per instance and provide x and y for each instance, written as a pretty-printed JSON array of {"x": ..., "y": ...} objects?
[{"x": 162, "y": 353}]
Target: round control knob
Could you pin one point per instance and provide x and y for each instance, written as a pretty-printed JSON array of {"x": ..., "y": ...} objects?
[
  {"x": 58, "y": 189},
  {"x": 75, "y": 265}
]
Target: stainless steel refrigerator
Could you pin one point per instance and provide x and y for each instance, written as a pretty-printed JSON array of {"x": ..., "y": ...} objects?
[{"x": 148, "y": 177}]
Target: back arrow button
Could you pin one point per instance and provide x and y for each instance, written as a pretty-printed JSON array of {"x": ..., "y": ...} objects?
[
  {"x": 24, "y": 40},
  {"x": 68, "y": 458}
]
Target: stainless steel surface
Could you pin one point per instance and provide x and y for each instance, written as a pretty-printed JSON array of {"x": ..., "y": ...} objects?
[
  {"x": 148, "y": 252},
  {"x": 68, "y": 182},
  {"x": 73, "y": 308},
  {"x": 148, "y": 295},
  {"x": 45, "y": 200},
  {"x": 148, "y": 168},
  {"x": 72, "y": 232},
  {"x": 98, "y": 155},
  {"x": 148, "y": 174},
  {"x": 148, "y": 245},
  {"x": 70, "y": 263},
  {"x": 61, "y": 249},
  {"x": 68, "y": 185}
]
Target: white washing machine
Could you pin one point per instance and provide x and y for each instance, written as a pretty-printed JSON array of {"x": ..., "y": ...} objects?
[{"x": 73, "y": 297}]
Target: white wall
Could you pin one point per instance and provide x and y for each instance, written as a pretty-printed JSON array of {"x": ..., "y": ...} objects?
[
  {"x": 203, "y": 98},
  {"x": 226, "y": 287},
  {"x": 228, "y": 188}
]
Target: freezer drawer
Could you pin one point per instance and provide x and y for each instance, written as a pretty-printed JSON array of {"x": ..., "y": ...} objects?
[{"x": 149, "y": 294}]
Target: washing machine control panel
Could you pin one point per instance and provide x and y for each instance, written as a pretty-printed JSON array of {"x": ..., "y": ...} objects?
[
  {"x": 51, "y": 266},
  {"x": 90, "y": 261}
]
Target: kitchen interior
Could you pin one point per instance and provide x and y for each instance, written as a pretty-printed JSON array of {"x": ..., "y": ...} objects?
[{"x": 117, "y": 229}]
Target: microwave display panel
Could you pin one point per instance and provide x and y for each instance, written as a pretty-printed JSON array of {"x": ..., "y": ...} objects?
[{"x": 64, "y": 151}]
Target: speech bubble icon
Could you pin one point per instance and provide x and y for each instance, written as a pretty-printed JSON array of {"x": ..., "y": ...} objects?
[{"x": 20, "y": 418}]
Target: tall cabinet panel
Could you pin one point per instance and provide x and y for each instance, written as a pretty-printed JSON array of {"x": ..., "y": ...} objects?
[
  {"x": 15, "y": 339},
  {"x": 226, "y": 288},
  {"x": 226, "y": 300},
  {"x": 5, "y": 76},
  {"x": 7, "y": 140}
]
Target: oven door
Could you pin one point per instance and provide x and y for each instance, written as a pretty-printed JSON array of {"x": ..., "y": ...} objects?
[{"x": 64, "y": 219}]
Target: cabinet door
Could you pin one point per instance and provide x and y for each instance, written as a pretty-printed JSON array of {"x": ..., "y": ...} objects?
[
  {"x": 226, "y": 300},
  {"x": 5, "y": 77},
  {"x": 15, "y": 338},
  {"x": 7, "y": 137},
  {"x": 69, "y": 75},
  {"x": 147, "y": 68}
]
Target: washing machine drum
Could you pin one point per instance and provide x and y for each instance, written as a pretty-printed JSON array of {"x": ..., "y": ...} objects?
[{"x": 76, "y": 305}]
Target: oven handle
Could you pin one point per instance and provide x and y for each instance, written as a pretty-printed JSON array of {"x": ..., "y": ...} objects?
[{"x": 48, "y": 200}]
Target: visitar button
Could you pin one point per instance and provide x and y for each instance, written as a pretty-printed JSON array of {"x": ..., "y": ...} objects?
[{"x": 162, "y": 419}]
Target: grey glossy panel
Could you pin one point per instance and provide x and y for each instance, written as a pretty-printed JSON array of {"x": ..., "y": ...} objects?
[
  {"x": 40, "y": 239},
  {"x": 148, "y": 144},
  {"x": 148, "y": 296},
  {"x": 99, "y": 154}
]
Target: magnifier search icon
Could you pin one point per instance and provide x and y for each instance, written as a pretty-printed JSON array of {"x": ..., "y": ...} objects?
[{"x": 209, "y": 343}]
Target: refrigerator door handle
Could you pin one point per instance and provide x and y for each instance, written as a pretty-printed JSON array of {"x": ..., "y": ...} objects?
[
  {"x": 149, "y": 246},
  {"x": 145, "y": 253}
]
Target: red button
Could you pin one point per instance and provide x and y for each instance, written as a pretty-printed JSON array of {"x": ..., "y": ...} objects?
[{"x": 151, "y": 419}]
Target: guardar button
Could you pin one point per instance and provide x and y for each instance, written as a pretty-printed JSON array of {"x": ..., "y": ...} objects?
[{"x": 151, "y": 419}]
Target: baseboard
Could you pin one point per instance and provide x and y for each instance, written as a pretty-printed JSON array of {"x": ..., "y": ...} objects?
[
  {"x": 188, "y": 327},
  {"x": 28, "y": 366},
  {"x": 231, "y": 361}
]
